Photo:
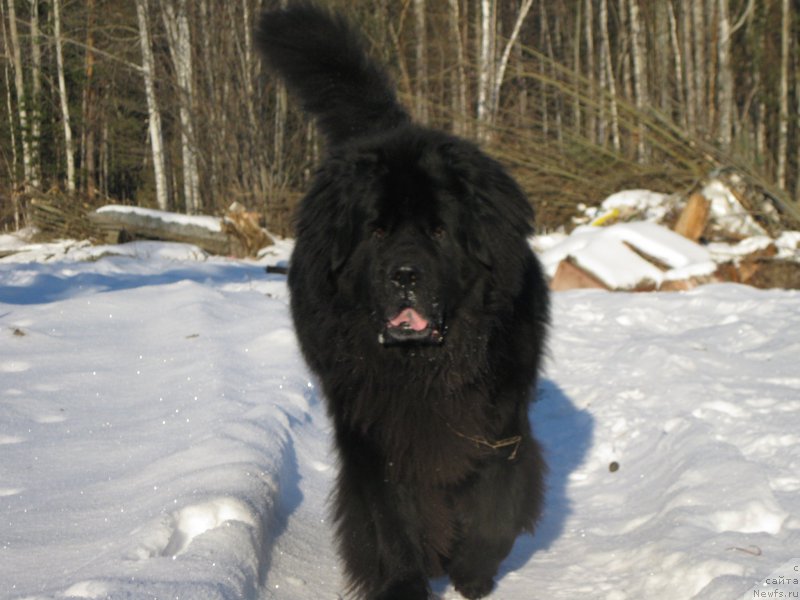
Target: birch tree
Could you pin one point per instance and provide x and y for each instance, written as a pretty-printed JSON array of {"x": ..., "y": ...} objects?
[
  {"x": 500, "y": 70},
  {"x": 12, "y": 168},
  {"x": 176, "y": 23},
  {"x": 590, "y": 67},
  {"x": 279, "y": 136},
  {"x": 577, "y": 115},
  {"x": 486, "y": 61},
  {"x": 783, "y": 111},
  {"x": 638, "y": 54},
  {"x": 677, "y": 56},
  {"x": 797, "y": 149},
  {"x": 36, "y": 93},
  {"x": 29, "y": 172},
  {"x": 491, "y": 68},
  {"x": 153, "y": 113},
  {"x": 700, "y": 71},
  {"x": 69, "y": 151},
  {"x": 724, "y": 76},
  {"x": 88, "y": 108},
  {"x": 459, "y": 94},
  {"x": 609, "y": 75},
  {"x": 688, "y": 90}
]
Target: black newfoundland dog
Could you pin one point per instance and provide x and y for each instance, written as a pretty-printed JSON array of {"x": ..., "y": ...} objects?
[{"x": 421, "y": 309}]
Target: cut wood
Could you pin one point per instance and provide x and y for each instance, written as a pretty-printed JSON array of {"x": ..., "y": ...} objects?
[
  {"x": 570, "y": 276},
  {"x": 694, "y": 217},
  {"x": 689, "y": 283},
  {"x": 244, "y": 226}
]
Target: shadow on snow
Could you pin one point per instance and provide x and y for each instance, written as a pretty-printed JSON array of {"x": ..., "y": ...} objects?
[
  {"x": 42, "y": 283},
  {"x": 566, "y": 434}
]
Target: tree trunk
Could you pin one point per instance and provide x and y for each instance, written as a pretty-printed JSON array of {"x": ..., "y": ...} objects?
[
  {"x": 62, "y": 92},
  {"x": 660, "y": 11},
  {"x": 576, "y": 74},
  {"x": 36, "y": 95},
  {"x": 104, "y": 153},
  {"x": 724, "y": 77},
  {"x": 154, "y": 115},
  {"x": 638, "y": 54},
  {"x": 12, "y": 122},
  {"x": 552, "y": 61},
  {"x": 700, "y": 72},
  {"x": 88, "y": 108},
  {"x": 612, "y": 86},
  {"x": 249, "y": 60},
  {"x": 500, "y": 70},
  {"x": 29, "y": 177},
  {"x": 176, "y": 22},
  {"x": 783, "y": 111},
  {"x": 797, "y": 145},
  {"x": 688, "y": 90},
  {"x": 680, "y": 87},
  {"x": 279, "y": 136},
  {"x": 544, "y": 101},
  {"x": 459, "y": 100},
  {"x": 522, "y": 96},
  {"x": 623, "y": 44},
  {"x": 12, "y": 168},
  {"x": 591, "y": 124},
  {"x": 421, "y": 63},
  {"x": 281, "y": 115},
  {"x": 486, "y": 62}
]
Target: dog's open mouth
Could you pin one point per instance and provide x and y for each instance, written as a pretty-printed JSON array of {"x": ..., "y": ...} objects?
[{"x": 409, "y": 326}]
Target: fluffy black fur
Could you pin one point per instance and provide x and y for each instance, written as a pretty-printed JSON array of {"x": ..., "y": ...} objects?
[{"x": 423, "y": 313}]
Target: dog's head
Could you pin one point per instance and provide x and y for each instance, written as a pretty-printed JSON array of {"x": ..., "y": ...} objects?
[{"x": 422, "y": 224}]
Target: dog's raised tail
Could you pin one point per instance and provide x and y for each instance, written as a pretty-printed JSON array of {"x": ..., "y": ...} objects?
[{"x": 325, "y": 63}]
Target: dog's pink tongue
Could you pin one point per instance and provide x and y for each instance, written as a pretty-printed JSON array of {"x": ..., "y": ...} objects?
[{"x": 410, "y": 319}]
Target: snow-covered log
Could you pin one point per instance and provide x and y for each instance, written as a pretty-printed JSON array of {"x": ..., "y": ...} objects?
[{"x": 225, "y": 236}]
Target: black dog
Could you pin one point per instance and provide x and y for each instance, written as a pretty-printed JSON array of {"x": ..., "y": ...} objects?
[{"x": 423, "y": 313}]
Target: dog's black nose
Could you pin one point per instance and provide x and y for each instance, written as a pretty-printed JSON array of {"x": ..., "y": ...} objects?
[{"x": 405, "y": 276}]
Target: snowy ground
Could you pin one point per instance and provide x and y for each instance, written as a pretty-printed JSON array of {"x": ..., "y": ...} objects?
[{"x": 161, "y": 438}]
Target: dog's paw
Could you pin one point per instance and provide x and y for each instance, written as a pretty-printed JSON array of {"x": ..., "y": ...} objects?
[{"x": 474, "y": 588}]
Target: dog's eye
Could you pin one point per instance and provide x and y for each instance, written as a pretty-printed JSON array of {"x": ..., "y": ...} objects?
[
  {"x": 379, "y": 233},
  {"x": 438, "y": 232}
]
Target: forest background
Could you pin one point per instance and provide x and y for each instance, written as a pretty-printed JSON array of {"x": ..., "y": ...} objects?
[{"x": 165, "y": 103}]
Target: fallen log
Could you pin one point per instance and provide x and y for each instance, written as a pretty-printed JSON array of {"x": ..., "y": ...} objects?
[{"x": 214, "y": 235}]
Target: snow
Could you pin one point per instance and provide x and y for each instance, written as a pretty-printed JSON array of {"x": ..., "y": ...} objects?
[
  {"x": 728, "y": 212},
  {"x": 162, "y": 438},
  {"x": 649, "y": 205},
  {"x": 203, "y": 221},
  {"x": 607, "y": 253},
  {"x": 787, "y": 246}
]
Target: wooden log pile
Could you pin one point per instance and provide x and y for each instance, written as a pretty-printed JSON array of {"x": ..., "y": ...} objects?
[
  {"x": 761, "y": 267},
  {"x": 57, "y": 215}
]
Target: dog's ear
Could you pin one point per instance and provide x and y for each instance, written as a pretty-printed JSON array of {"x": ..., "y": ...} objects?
[
  {"x": 477, "y": 244},
  {"x": 454, "y": 167},
  {"x": 353, "y": 178}
]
